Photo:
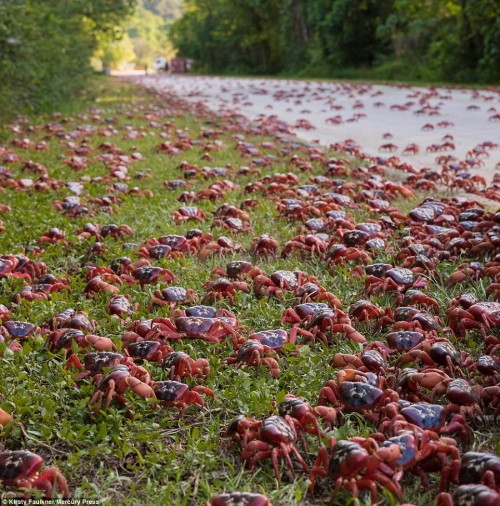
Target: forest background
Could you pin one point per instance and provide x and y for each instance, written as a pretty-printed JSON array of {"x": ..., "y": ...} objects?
[{"x": 49, "y": 50}]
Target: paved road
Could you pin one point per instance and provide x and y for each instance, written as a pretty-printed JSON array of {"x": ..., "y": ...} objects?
[{"x": 362, "y": 112}]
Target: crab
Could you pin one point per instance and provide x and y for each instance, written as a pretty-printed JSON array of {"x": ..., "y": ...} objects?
[
  {"x": 437, "y": 351},
  {"x": 95, "y": 362},
  {"x": 152, "y": 351},
  {"x": 222, "y": 246},
  {"x": 223, "y": 288},
  {"x": 482, "y": 316},
  {"x": 311, "y": 244},
  {"x": 479, "y": 467},
  {"x": 119, "y": 306},
  {"x": 396, "y": 279},
  {"x": 253, "y": 352},
  {"x": 242, "y": 430},
  {"x": 233, "y": 225},
  {"x": 18, "y": 330},
  {"x": 65, "y": 338},
  {"x": 40, "y": 291},
  {"x": 365, "y": 310},
  {"x": 214, "y": 330},
  {"x": 302, "y": 314},
  {"x": 238, "y": 270},
  {"x": 97, "y": 284},
  {"x": 280, "y": 281},
  {"x": 427, "y": 416},
  {"x": 356, "y": 396},
  {"x": 418, "y": 298},
  {"x": 184, "y": 214},
  {"x": 329, "y": 321},
  {"x": 265, "y": 246},
  {"x": 179, "y": 395},
  {"x": 180, "y": 364},
  {"x": 358, "y": 464},
  {"x": 115, "y": 383},
  {"x": 374, "y": 360},
  {"x": 54, "y": 235},
  {"x": 275, "y": 339},
  {"x": 148, "y": 274},
  {"x": 299, "y": 409},
  {"x": 423, "y": 451},
  {"x": 116, "y": 231},
  {"x": 178, "y": 245},
  {"x": 312, "y": 292},
  {"x": 21, "y": 469},
  {"x": 339, "y": 254},
  {"x": 71, "y": 319},
  {"x": 277, "y": 437},
  {"x": 173, "y": 295},
  {"x": 470, "y": 495}
]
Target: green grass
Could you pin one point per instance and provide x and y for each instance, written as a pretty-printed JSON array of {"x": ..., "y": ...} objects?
[{"x": 155, "y": 458}]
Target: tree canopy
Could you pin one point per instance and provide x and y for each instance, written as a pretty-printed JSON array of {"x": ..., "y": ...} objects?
[
  {"x": 454, "y": 40},
  {"x": 45, "y": 48}
]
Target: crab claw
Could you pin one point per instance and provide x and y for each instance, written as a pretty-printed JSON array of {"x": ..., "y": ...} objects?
[
  {"x": 100, "y": 343},
  {"x": 49, "y": 480},
  {"x": 5, "y": 418},
  {"x": 328, "y": 414}
]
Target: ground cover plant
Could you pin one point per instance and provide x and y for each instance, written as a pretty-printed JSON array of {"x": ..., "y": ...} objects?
[{"x": 93, "y": 220}]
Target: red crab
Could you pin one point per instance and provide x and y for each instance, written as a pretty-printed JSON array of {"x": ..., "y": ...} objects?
[
  {"x": 356, "y": 396},
  {"x": 179, "y": 395},
  {"x": 188, "y": 213},
  {"x": 277, "y": 437},
  {"x": 470, "y": 495},
  {"x": 214, "y": 330},
  {"x": 233, "y": 225},
  {"x": 427, "y": 416},
  {"x": 64, "y": 339},
  {"x": 223, "y": 288},
  {"x": 312, "y": 292},
  {"x": 365, "y": 310},
  {"x": 222, "y": 246},
  {"x": 115, "y": 383},
  {"x": 253, "y": 352},
  {"x": 482, "y": 316},
  {"x": 98, "y": 284},
  {"x": 21, "y": 469},
  {"x": 265, "y": 246},
  {"x": 116, "y": 231},
  {"x": 238, "y": 270},
  {"x": 148, "y": 275},
  {"x": 180, "y": 364},
  {"x": 119, "y": 306},
  {"x": 329, "y": 321},
  {"x": 398, "y": 279},
  {"x": 71, "y": 319},
  {"x": 280, "y": 281},
  {"x": 299, "y": 409},
  {"x": 424, "y": 451},
  {"x": 311, "y": 244},
  {"x": 358, "y": 464},
  {"x": 174, "y": 295}
]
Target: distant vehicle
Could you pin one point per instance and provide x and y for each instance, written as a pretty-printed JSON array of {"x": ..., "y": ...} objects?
[
  {"x": 161, "y": 64},
  {"x": 179, "y": 65}
]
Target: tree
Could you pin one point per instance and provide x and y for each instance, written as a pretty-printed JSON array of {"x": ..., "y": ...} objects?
[{"x": 45, "y": 48}]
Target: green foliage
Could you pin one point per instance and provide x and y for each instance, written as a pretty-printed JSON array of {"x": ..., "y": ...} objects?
[
  {"x": 45, "y": 49},
  {"x": 156, "y": 458},
  {"x": 455, "y": 40}
]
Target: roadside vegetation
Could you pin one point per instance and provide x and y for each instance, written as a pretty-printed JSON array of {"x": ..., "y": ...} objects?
[
  {"x": 137, "y": 453},
  {"x": 417, "y": 40}
]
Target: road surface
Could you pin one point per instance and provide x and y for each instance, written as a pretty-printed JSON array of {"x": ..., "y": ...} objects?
[{"x": 371, "y": 115}]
